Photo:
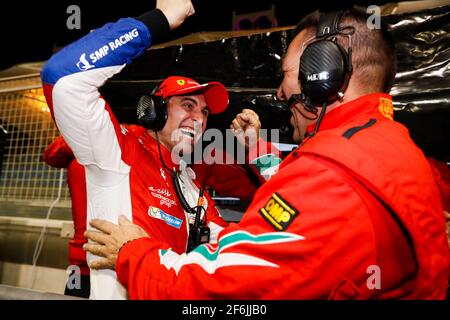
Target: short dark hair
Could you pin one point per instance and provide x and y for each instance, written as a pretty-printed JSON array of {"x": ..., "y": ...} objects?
[{"x": 373, "y": 57}]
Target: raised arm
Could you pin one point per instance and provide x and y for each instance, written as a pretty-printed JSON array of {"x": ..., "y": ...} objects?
[
  {"x": 264, "y": 158},
  {"x": 71, "y": 81},
  {"x": 73, "y": 76}
]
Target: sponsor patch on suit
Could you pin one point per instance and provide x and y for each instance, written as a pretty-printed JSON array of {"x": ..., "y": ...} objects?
[
  {"x": 157, "y": 213},
  {"x": 278, "y": 212}
]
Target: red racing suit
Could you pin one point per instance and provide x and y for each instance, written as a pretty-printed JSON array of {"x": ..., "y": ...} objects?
[
  {"x": 226, "y": 179},
  {"x": 441, "y": 173},
  {"x": 353, "y": 213},
  {"x": 123, "y": 170},
  {"x": 59, "y": 155},
  {"x": 230, "y": 180}
]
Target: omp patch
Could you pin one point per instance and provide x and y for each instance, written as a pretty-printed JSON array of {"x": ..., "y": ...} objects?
[
  {"x": 278, "y": 212},
  {"x": 386, "y": 108}
]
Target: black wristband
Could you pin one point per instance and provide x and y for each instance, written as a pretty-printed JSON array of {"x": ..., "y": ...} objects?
[{"x": 157, "y": 23}]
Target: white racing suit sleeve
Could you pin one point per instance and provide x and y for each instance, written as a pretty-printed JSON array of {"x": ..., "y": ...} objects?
[{"x": 71, "y": 80}]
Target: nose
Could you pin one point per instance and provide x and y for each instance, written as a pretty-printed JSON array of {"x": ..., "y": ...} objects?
[
  {"x": 197, "y": 116},
  {"x": 198, "y": 119}
]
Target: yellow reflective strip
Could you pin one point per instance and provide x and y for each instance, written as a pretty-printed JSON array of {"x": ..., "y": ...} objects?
[
  {"x": 268, "y": 216},
  {"x": 292, "y": 212}
]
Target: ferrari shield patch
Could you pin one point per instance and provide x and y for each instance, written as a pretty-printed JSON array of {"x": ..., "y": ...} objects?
[
  {"x": 278, "y": 212},
  {"x": 386, "y": 108}
]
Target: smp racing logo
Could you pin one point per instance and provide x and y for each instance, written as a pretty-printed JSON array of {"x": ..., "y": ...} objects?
[
  {"x": 87, "y": 62},
  {"x": 83, "y": 64}
]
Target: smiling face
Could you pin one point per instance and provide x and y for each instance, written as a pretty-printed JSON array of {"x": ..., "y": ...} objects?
[{"x": 186, "y": 121}]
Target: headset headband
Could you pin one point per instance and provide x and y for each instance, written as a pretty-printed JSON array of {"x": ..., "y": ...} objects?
[
  {"x": 329, "y": 24},
  {"x": 325, "y": 66}
]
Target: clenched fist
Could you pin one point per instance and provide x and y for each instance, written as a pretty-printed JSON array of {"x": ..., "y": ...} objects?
[
  {"x": 246, "y": 127},
  {"x": 176, "y": 11}
]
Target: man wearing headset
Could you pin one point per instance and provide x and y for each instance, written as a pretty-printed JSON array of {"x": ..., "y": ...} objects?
[
  {"x": 353, "y": 212},
  {"x": 133, "y": 172},
  {"x": 226, "y": 179}
]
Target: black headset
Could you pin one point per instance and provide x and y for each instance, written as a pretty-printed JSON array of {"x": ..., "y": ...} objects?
[
  {"x": 152, "y": 114},
  {"x": 152, "y": 110},
  {"x": 325, "y": 67}
]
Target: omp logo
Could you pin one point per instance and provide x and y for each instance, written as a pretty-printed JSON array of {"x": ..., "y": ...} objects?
[
  {"x": 324, "y": 75},
  {"x": 83, "y": 64},
  {"x": 278, "y": 212}
]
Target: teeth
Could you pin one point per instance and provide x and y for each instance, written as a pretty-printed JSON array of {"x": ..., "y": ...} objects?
[{"x": 188, "y": 132}]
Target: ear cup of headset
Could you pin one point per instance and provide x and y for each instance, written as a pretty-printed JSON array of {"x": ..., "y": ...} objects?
[
  {"x": 152, "y": 112},
  {"x": 323, "y": 71}
]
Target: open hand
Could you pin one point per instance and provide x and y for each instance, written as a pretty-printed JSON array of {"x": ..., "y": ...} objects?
[{"x": 110, "y": 239}]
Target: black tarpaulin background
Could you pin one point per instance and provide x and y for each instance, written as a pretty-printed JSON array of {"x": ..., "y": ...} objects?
[{"x": 251, "y": 65}]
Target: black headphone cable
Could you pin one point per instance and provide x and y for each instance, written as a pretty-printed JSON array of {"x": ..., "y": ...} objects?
[
  {"x": 198, "y": 233},
  {"x": 320, "y": 118},
  {"x": 175, "y": 181}
]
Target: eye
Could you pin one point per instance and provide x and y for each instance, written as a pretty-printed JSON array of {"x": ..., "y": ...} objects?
[
  {"x": 188, "y": 105},
  {"x": 205, "y": 112}
]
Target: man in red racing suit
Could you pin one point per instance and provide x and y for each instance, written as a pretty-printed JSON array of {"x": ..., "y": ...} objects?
[
  {"x": 129, "y": 171},
  {"x": 353, "y": 213},
  {"x": 229, "y": 180}
]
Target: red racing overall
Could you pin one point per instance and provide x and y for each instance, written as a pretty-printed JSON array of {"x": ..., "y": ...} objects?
[{"x": 354, "y": 213}]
